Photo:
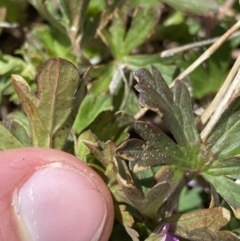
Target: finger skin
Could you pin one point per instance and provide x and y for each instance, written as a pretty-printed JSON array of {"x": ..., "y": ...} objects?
[{"x": 18, "y": 165}]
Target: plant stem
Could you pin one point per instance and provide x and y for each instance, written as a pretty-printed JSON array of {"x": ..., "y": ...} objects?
[
  {"x": 173, "y": 51},
  {"x": 208, "y": 52},
  {"x": 232, "y": 92},
  {"x": 219, "y": 96}
]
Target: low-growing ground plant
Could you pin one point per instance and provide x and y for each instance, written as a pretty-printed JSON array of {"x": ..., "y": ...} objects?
[{"x": 132, "y": 89}]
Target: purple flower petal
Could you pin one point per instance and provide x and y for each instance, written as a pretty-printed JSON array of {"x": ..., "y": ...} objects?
[
  {"x": 171, "y": 237},
  {"x": 168, "y": 236}
]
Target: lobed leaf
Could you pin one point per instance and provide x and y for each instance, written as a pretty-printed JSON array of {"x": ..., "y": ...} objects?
[
  {"x": 174, "y": 108},
  {"x": 176, "y": 112},
  {"x": 143, "y": 23},
  {"x": 149, "y": 204},
  {"x": 52, "y": 112},
  {"x": 228, "y": 189},
  {"x": 122, "y": 41},
  {"x": 157, "y": 149},
  {"x": 114, "y": 36},
  {"x": 202, "y": 224}
]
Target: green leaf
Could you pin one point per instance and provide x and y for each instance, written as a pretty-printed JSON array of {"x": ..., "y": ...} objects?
[
  {"x": 74, "y": 12},
  {"x": 12, "y": 65},
  {"x": 16, "y": 12},
  {"x": 52, "y": 113},
  {"x": 135, "y": 62},
  {"x": 176, "y": 112},
  {"x": 166, "y": 191},
  {"x": 91, "y": 107},
  {"x": 68, "y": 17},
  {"x": 175, "y": 177},
  {"x": 8, "y": 140},
  {"x": 117, "y": 126},
  {"x": 224, "y": 139},
  {"x": 202, "y": 224},
  {"x": 157, "y": 149},
  {"x": 103, "y": 76},
  {"x": 105, "y": 154},
  {"x": 149, "y": 204},
  {"x": 81, "y": 150},
  {"x": 149, "y": 3},
  {"x": 189, "y": 199},
  {"x": 174, "y": 108},
  {"x": 228, "y": 189},
  {"x": 43, "y": 7},
  {"x": 129, "y": 102},
  {"x": 226, "y": 167},
  {"x": 194, "y": 6},
  {"x": 145, "y": 179},
  {"x": 51, "y": 43},
  {"x": 114, "y": 36},
  {"x": 20, "y": 132},
  {"x": 208, "y": 79},
  {"x": 30, "y": 104},
  {"x": 125, "y": 218},
  {"x": 142, "y": 25},
  {"x": 122, "y": 42}
]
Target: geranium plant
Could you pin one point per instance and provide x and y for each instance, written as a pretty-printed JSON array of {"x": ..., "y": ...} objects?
[{"x": 120, "y": 115}]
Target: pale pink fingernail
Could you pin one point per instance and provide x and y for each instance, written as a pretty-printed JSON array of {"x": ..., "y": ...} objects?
[{"x": 59, "y": 203}]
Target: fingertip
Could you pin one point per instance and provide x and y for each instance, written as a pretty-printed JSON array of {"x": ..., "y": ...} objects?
[{"x": 56, "y": 197}]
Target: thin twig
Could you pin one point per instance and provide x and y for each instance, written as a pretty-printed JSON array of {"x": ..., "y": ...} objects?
[
  {"x": 171, "y": 52},
  {"x": 208, "y": 52},
  {"x": 8, "y": 25},
  {"x": 230, "y": 95},
  {"x": 219, "y": 96}
]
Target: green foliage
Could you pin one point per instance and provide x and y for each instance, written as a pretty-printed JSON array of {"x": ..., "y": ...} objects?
[
  {"x": 208, "y": 223},
  {"x": 122, "y": 42},
  {"x": 12, "y": 65},
  {"x": 214, "y": 74},
  {"x": 51, "y": 113},
  {"x": 8, "y": 140},
  {"x": 189, "y": 199},
  {"x": 196, "y": 6},
  {"x": 95, "y": 45},
  {"x": 188, "y": 154}
]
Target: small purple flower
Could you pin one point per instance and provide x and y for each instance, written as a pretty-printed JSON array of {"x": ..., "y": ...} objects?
[{"x": 166, "y": 235}]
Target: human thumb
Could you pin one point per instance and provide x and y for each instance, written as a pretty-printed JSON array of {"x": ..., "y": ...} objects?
[{"x": 48, "y": 195}]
